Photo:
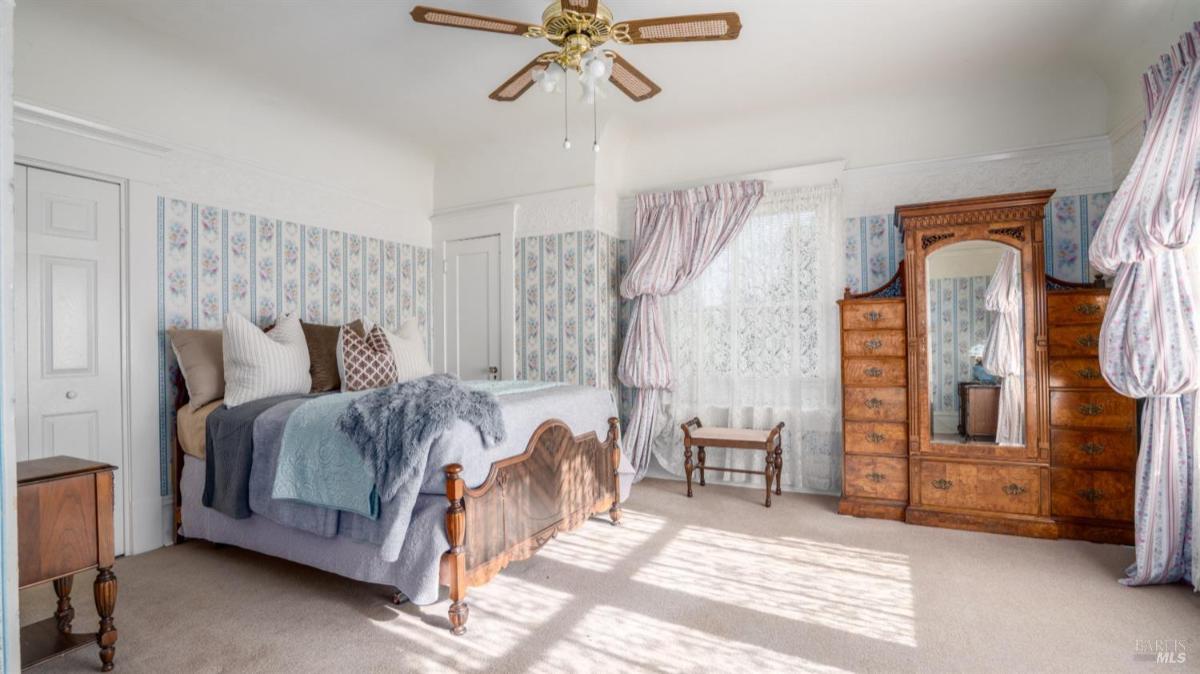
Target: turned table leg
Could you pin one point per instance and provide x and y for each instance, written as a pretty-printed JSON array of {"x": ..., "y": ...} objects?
[
  {"x": 770, "y": 474},
  {"x": 65, "y": 613},
  {"x": 105, "y": 590},
  {"x": 779, "y": 470},
  {"x": 687, "y": 468}
]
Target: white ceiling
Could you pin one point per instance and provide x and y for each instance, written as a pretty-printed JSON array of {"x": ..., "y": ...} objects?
[{"x": 367, "y": 62}]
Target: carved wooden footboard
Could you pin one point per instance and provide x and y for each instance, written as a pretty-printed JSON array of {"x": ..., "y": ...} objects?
[{"x": 554, "y": 486}]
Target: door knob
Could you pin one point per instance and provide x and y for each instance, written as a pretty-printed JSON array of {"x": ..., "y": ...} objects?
[
  {"x": 493, "y": 372},
  {"x": 71, "y": 395}
]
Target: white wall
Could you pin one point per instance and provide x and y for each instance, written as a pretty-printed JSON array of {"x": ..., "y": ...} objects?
[
  {"x": 9, "y": 624},
  {"x": 101, "y": 95}
]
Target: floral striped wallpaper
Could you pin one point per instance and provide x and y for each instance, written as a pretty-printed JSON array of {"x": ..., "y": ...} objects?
[
  {"x": 212, "y": 261},
  {"x": 959, "y": 321},
  {"x": 874, "y": 248},
  {"x": 567, "y": 308}
]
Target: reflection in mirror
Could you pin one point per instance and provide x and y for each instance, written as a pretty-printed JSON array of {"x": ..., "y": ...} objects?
[{"x": 976, "y": 344}]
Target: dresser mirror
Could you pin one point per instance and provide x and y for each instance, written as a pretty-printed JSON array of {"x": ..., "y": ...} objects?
[{"x": 976, "y": 344}]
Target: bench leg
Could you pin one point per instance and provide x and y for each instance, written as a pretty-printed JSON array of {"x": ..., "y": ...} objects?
[
  {"x": 687, "y": 468},
  {"x": 769, "y": 473},
  {"x": 701, "y": 456},
  {"x": 778, "y": 470}
]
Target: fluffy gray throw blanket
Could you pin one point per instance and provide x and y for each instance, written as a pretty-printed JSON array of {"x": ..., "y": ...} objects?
[{"x": 395, "y": 426}]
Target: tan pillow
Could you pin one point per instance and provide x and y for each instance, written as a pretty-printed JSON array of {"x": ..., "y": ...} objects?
[
  {"x": 201, "y": 360},
  {"x": 369, "y": 363},
  {"x": 409, "y": 351},
  {"x": 323, "y": 354}
]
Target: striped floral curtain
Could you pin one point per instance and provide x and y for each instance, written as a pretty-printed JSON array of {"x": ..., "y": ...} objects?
[
  {"x": 1150, "y": 342},
  {"x": 676, "y": 236}
]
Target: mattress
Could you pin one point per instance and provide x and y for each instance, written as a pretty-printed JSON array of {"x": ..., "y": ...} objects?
[{"x": 189, "y": 427}]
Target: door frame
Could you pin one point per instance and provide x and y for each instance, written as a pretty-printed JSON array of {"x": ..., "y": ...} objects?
[
  {"x": 474, "y": 223},
  {"x": 125, "y": 474}
]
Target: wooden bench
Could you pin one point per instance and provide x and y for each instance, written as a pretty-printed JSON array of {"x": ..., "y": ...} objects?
[{"x": 698, "y": 436}]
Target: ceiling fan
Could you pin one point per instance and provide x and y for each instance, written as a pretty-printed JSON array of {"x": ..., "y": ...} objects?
[{"x": 577, "y": 28}]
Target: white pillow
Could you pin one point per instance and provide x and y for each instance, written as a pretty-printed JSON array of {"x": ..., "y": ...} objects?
[
  {"x": 260, "y": 365},
  {"x": 408, "y": 350}
]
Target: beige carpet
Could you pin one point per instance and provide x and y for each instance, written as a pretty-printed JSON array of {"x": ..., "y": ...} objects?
[{"x": 713, "y": 583}]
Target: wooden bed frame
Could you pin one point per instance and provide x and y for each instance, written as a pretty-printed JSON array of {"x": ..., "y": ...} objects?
[{"x": 558, "y": 483}]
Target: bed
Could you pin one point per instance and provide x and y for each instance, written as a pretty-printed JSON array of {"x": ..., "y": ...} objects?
[{"x": 471, "y": 518}]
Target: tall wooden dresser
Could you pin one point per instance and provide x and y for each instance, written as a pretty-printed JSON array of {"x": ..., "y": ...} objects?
[
  {"x": 1093, "y": 429},
  {"x": 875, "y": 403},
  {"x": 1073, "y": 475}
]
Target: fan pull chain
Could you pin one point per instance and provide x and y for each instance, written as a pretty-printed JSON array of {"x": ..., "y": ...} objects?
[
  {"x": 566, "y": 126},
  {"x": 595, "y": 124}
]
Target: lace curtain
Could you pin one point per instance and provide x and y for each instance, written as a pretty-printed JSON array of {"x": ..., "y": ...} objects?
[{"x": 754, "y": 341}]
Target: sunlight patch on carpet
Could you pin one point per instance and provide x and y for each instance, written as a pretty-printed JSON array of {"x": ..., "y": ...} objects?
[
  {"x": 855, "y": 590},
  {"x": 505, "y": 613},
  {"x": 616, "y": 640},
  {"x": 599, "y": 546}
]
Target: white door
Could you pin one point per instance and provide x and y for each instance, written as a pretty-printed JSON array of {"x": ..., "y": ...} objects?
[
  {"x": 473, "y": 308},
  {"x": 68, "y": 321}
]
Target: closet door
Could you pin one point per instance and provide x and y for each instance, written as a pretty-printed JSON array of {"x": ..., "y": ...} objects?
[
  {"x": 473, "y": 307},
  {"x": 68, "y": 329}
]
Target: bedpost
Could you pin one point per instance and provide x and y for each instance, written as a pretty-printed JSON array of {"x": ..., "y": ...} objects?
[
  {"x": 614, "y": 440},
  {"x": 455, "y": 561}
]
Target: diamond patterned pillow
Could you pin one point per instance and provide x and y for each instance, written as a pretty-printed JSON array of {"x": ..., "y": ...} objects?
[{"x": 368, "y": 361}]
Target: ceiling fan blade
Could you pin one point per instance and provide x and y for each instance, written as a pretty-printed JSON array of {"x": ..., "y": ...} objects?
[
  {"x": 445, "y": 17},
  {"x": 519, "y": 83},
  {"x": 690, "y": 28},
  {"x": 630, "y": 80},
  {"x": 581, "y": 6}
]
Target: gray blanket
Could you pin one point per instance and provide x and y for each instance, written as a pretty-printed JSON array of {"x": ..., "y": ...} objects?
[
  {"x": 394, "y": 426},
  {"x": 229, "y": 453}
]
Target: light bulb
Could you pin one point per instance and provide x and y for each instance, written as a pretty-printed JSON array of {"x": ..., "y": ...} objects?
[
  {"x": 596, "y": 68},
  {"x": 596, "y": 147},
  {"x": 566, "y": 143}
]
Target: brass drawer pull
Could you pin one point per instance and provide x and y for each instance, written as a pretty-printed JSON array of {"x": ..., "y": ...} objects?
[
  {"x": 1088, "y": 341},
  {"x": 873, "y": 316},
  {"x": 1013, "y": 489},
  {"x": 875, "y": 438},
  {"x": 873, "y": 372},
  {"x": 1089, "y": 373},
  {"x": 873, "y": 344},
  {"x": 1091, "y": 495},
  {"x": 874, "y": 403},
  {"x": 942, "y": 484},
  {"x": 1092, "y": 448},
  {"x": 876, "y": 477},
  {"x": 1091, "y": 409},
  {"x": 1087, "y": 309}
]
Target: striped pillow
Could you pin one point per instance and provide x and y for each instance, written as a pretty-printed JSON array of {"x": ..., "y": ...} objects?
[
  {"x": 260, "y": 365},
  {"x": 409, "y": 351},
  {"x": 368, "y": 361}
]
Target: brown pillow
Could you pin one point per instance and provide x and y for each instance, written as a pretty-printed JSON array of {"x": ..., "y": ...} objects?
[
  {"x": 201, "y": 360},
  {"x": 322, "y": 354},
  {"x": 369, "y": 363}
]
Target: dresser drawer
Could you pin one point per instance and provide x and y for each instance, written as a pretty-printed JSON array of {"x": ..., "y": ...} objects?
[
  {"x": 986, "y": 487},
  {"x": 1093, "y": 449},
  {"x": 1075, "y": 308},
  {"x": 876, "y": 477},
  {"x": 1074, "y": 340},
  {"x": 1091, "y": 410},
  {"x": 873, "y": 316},
  {"x": 1076, "y": 373},
  {"x": 864, "y": 437},
  {"x": 1094, "y": 494},
  {"x": 875, "y": 343},
  {"x": 875, "y": 371},
  {"x": 875, "y": 404}
]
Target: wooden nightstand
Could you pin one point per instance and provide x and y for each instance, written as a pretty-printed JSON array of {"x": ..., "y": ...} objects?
[{"x": 64, "y": 527}]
